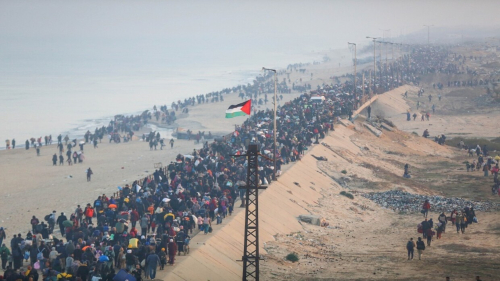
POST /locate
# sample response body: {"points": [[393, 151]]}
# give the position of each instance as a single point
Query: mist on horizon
{"points": [[72, 61], [151, 34]]}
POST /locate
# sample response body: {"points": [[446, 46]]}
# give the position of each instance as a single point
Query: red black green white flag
{"points": [[241, 109]]}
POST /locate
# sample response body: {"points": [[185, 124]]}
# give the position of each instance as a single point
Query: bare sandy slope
{"points": [[455, 116]]}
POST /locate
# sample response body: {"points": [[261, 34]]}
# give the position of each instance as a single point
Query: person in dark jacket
{"points": [[89, 174], [4, 254], [152, 262], [420, 247], [54, 160], [60, 221], [425, 227], [410, 246], [130, 260], [137, 272], [163, 258], [83, 271]]}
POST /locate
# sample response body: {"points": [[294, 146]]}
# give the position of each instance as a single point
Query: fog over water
{"points": [[69, 65]]}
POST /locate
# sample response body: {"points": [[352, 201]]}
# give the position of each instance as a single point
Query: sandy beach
{"points": [[35, 187]]}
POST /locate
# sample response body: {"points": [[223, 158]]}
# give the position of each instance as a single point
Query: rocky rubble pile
{"points": [[403, 201]]}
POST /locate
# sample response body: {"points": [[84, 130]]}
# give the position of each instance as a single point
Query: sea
{"points": [[43, 92]]}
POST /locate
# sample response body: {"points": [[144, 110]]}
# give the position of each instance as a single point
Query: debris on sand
{"points": [[403, 201]]}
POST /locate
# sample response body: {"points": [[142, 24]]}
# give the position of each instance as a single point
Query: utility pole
{"points": [[400, 64], [251, 255], [363, 86], [385, 34], [374, 61], [428, 32], [386, 72], [355, 64], [392, 64], [370, 85]]}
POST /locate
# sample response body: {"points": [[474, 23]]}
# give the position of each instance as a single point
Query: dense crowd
{"points": [[150, 221]]}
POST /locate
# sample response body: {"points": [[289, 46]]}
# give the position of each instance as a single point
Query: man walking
{"points": [[426, 207], [420, 247], [410, 246], [144, 225], [62, 218], [425, 227], [89, 174], [152, 262]]}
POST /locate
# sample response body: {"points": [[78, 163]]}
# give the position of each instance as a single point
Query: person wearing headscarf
{"points": [[442, 219], [130, 260], [172, 251], [163, 258]]}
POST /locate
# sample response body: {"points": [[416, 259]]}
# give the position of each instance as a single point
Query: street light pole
{"points": [[392, 64], [374, 58], [274, 119], [355, 64], [428, 32]]}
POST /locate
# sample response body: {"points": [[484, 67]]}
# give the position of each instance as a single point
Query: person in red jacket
{"points": [[133, 232], [134, 217], [426, 207], [172, 251], [89, 213]]}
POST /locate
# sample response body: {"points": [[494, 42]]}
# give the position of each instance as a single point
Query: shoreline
{"points": [[113, 164], [91, 123]]}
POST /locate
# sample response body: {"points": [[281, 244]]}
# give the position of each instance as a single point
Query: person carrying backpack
{"points": [[79, 214], [34, 222], [98, 204], [51, 221], [410, 246], [420, 247]]}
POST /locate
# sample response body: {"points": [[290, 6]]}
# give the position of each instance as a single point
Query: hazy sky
{"points": [[54, 35], [213, 22], [84, 57]]}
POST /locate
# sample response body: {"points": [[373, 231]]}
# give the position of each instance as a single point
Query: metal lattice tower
{"points": [[251, 247]]}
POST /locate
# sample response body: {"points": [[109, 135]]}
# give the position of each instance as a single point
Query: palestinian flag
{"points": [[241, 109]]}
